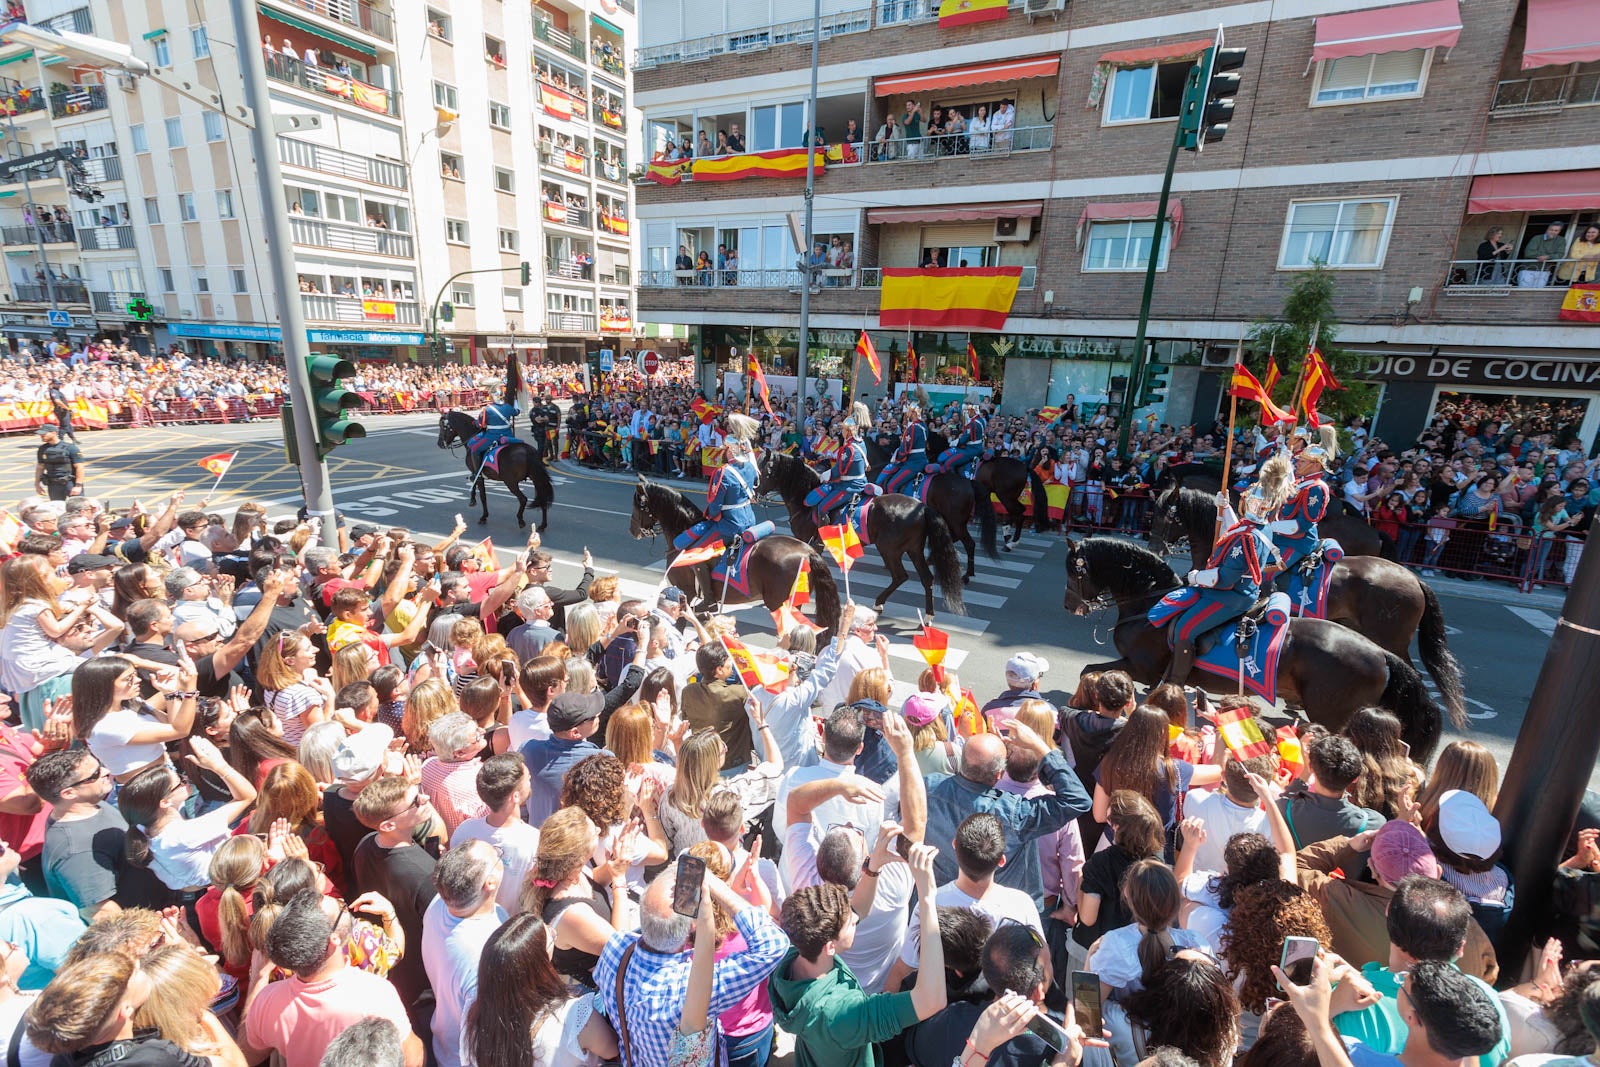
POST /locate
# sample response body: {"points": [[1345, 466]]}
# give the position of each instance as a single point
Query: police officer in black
{"points": [[546, 419], [58, 471]]}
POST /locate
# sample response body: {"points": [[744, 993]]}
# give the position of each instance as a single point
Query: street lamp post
{"points": [[38, 235], [806, 278]]}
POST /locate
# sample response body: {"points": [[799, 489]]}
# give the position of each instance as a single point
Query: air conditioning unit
{"points": [[1035, 9], [125, 82], [1215, 356], [1013, 230]]}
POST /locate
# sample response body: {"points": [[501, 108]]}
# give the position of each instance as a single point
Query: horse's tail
{"points": [[986, 519], [1408, 698], [940, 552], [827, 595], [1439, 660], [544, 490], [1041, 501]]}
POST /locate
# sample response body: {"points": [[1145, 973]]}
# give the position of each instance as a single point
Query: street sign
{"points": [[60, 320], [605, 361], [650, 361]]}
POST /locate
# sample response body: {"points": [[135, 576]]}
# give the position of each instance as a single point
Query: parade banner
{"points": [[555, 102], [947, 298], [779, 163]]}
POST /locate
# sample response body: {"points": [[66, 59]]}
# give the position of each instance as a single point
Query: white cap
{"points": [[1026, 667], [360, 755], [1466, 826]]}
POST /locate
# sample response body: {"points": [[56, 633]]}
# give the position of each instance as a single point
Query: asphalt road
{"points": [[398, 475]]}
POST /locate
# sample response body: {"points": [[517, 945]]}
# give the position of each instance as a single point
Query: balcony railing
{"points": [[1486, 277], [1528, 96], [608, 118], [342, 237], [566, 214], [52, 233], [569, 160], [77, 100], [565, 268], [345, 164], [546, 33], [324, 308], [362, 16], [318, 80], [857, 20], [105, 238], [872, 277], [35, 102], [568, 322], [610, 63], [929, 149], [113, 303], [828, 278], [66, 293], [611, 172], [75, 21], [102, 168]]}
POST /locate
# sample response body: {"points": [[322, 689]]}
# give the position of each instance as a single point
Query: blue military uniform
{"points": [[909, 461], [1229, 584], [729, 501], [967, 448], [1294, 531], [848, 479], [496, 424]]}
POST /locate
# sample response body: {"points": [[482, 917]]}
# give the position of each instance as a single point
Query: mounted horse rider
{"points": [[910, 459], [847, 479], [732, 492], [497, 423], [1294, 526], [967, 448], [1230, 583]]}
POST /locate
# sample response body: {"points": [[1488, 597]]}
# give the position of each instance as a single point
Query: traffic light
{"points": [[1208, 100], [527, 273], [1155, 385], [447, 312], [141, 310], [329, 401]]}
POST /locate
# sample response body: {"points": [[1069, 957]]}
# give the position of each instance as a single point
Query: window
{"points": [[494, 51], [777, 126], [444, 95], [450, 165], [462, 294], [152, 210], [1347, 234], [504, 181], [439, 26], [1144, 94], [508, 240], [455, 231], [141, 143], [200, 40], [1342, 81], [186, 209], [163, 50], [499, 115], [213, 125], [1125, 245], [511, 300], [224, 203], [201, 283], [239, 284], [167, 285], [175, 132]]}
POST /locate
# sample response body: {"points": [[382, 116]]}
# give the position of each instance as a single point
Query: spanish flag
{"points": [[484, 550], [664, 173], [787, 618], [972, 361], [1317, 377], [1273, 376], [555, 102], [1239, 731], [555, 211], [865, 350], [779, 163], [689, 557], [916, 367], [757, 670], [217, 465], [966, 12], [800, 594], [705, 410], [947, 298], [842, 544], [1245, 387], [1582, 303], [1289, 750], [933, 643], [758, 378]]}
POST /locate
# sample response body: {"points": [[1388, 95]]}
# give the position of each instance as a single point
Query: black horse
{"points": [[1373, 596], [950, 495], [897, 525], [1327, 669], [774, 561], [1175, 511], [519, 462]]}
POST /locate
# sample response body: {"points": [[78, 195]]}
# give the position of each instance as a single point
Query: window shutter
{"points": [[1343, 75], [1398, 71]]}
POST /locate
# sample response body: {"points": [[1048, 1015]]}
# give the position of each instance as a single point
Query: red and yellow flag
{"points": [[1273, 376], [1050, 414], [1317, 377], [1289, 750], [1239, 731], [800, 592], [758, 378], [778, 163], [690, 557], [933, 643], [866, 351], [555, 211], [484, 550], [555, 102], [842, 544], [947, 298], [916, 367], [217, 464], [1245, 387], [972, 361], [705, 410], [787, 618], [11, 531], [665, 173], [967, 12], [1582, 303], [757, 670]]}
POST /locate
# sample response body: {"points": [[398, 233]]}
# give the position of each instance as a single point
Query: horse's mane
{"points": [[1143, 570], [1191, 501], [790, 476], [664, 501]]}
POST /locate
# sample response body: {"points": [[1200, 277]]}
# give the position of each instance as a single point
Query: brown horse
{"points": [[897, 526], [1355, 535], [519, 462], [774, 560], [1329, 670]]}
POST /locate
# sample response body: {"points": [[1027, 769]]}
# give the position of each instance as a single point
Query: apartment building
{"points": [[1383, 140], [421, 167]]}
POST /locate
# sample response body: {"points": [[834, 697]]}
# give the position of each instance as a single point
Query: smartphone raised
{"points": [[1086, 1006], [902, 846], [1048, 1030], [1298, 952], [691, 881]]}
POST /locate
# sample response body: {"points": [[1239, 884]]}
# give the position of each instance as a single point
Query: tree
{"points": [[1307, 309]]}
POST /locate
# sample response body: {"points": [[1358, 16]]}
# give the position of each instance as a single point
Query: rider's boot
{"points": [[1182, 662]]}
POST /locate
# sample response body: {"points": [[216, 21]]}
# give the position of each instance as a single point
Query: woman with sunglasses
{"points": [[125, 734], [177, 849]]}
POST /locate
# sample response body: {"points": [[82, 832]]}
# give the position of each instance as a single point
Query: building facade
{"points": [[1384, 141], [385, 208]]}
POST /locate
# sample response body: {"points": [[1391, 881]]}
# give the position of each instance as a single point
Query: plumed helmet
{"points": [[1276, 481], [859, 418], [741, 428]]}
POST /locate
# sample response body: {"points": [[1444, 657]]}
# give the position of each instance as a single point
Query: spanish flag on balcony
{"points": [[948, 298], [614, 223], [966, 12], [555, 102], [664, 173], [555, 211], [779, 163], [1582, 303]]}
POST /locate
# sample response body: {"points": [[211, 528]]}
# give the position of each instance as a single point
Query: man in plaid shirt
{"points": [[656, 982]]}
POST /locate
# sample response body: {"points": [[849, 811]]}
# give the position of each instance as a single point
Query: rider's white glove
{"points": [[1206, 578]]}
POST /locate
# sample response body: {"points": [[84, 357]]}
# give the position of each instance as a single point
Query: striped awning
{"points": [[1561, 31], [1432, 24], [349, 44], [959, 77]]}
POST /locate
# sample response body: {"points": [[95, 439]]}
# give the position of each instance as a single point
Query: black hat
{"points": [[574, 709], [360, 530], [91, 561]]}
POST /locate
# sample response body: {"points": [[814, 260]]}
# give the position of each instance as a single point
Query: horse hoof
{"points": [[483, 521], [1005, 546]]}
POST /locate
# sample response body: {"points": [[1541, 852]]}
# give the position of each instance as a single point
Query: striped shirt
{"points": [[453, 788]]}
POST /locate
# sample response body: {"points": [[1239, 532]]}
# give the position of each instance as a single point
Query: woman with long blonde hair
{"points": [[354, 662], [630, 736], [225, 909], [182, 987], [429, 701], [290, 685], [700, 771], [1460, 765], [290, 795]]}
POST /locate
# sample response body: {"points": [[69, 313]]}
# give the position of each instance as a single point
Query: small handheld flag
{"points": [[1239, 731], [789, 618], [1289, 750], [800, 594], [842, 544], [689, 557], [866, 351], [757, 670], [933, 643], [217, 465]]}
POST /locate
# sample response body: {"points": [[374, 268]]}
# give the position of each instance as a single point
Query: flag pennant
{"points": [[800, 593], [1273, 376], [842, 544], [759, 378], [933, 643], [690, 557], [217, 465], [1245, 387], [757, 670], [866, 351], [1240, 732]]}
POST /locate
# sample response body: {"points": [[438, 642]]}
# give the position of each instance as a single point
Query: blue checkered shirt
{"points": [[657, 984]]}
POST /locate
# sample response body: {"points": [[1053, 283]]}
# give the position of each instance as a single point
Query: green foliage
{"points": [[1307, 309]]}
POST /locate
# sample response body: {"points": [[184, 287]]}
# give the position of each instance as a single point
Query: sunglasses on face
{"points": [[100, 772]]}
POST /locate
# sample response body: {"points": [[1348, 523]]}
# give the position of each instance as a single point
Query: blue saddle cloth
{"points": [[735, 562], [1263, 642], [1308, 592]]}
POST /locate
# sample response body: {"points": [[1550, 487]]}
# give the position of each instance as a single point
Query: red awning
{"points": [[1027, 209], [1133, 209], [1432, 24], [1135, 57], [1561, 31], [978, 74], [1562, 190]]}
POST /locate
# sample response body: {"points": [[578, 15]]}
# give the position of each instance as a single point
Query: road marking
{"points": [[1542, 621], [1484, 710]]}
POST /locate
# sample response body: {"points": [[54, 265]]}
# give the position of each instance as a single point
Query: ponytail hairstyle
{"points": [[140, 803], [1150, 890], [236, 867], [566, 841]]}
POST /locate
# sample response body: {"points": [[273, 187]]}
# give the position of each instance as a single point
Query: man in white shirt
{"points": [[842, 734], [503, 785], [1233, 809], [454, 930], [865, 648]]}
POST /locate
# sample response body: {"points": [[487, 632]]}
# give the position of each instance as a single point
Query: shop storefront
{"points": [[220, 340], [370, 346]]}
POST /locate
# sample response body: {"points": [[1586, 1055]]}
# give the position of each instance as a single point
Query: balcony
{"points": [[566, 214], [325, 83], [114, 303], [361, 16], [545, 33], [608, 118], [52, 233], [100, 169], [321, 308], [1518, 278], [32, 105], [934, 149], [913, 12], [65, 101], [608, 58], [841, 278], [568, 322], [309, 156], [857, 20], [343, 237], [105, 238], [565, 268], [620, 275], [1556, 92], [76, 21], [616, 173], [67, 292], [567, 160]]}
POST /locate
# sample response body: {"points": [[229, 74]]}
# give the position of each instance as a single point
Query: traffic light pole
{"points": [[280, 254], [433, 312]]}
